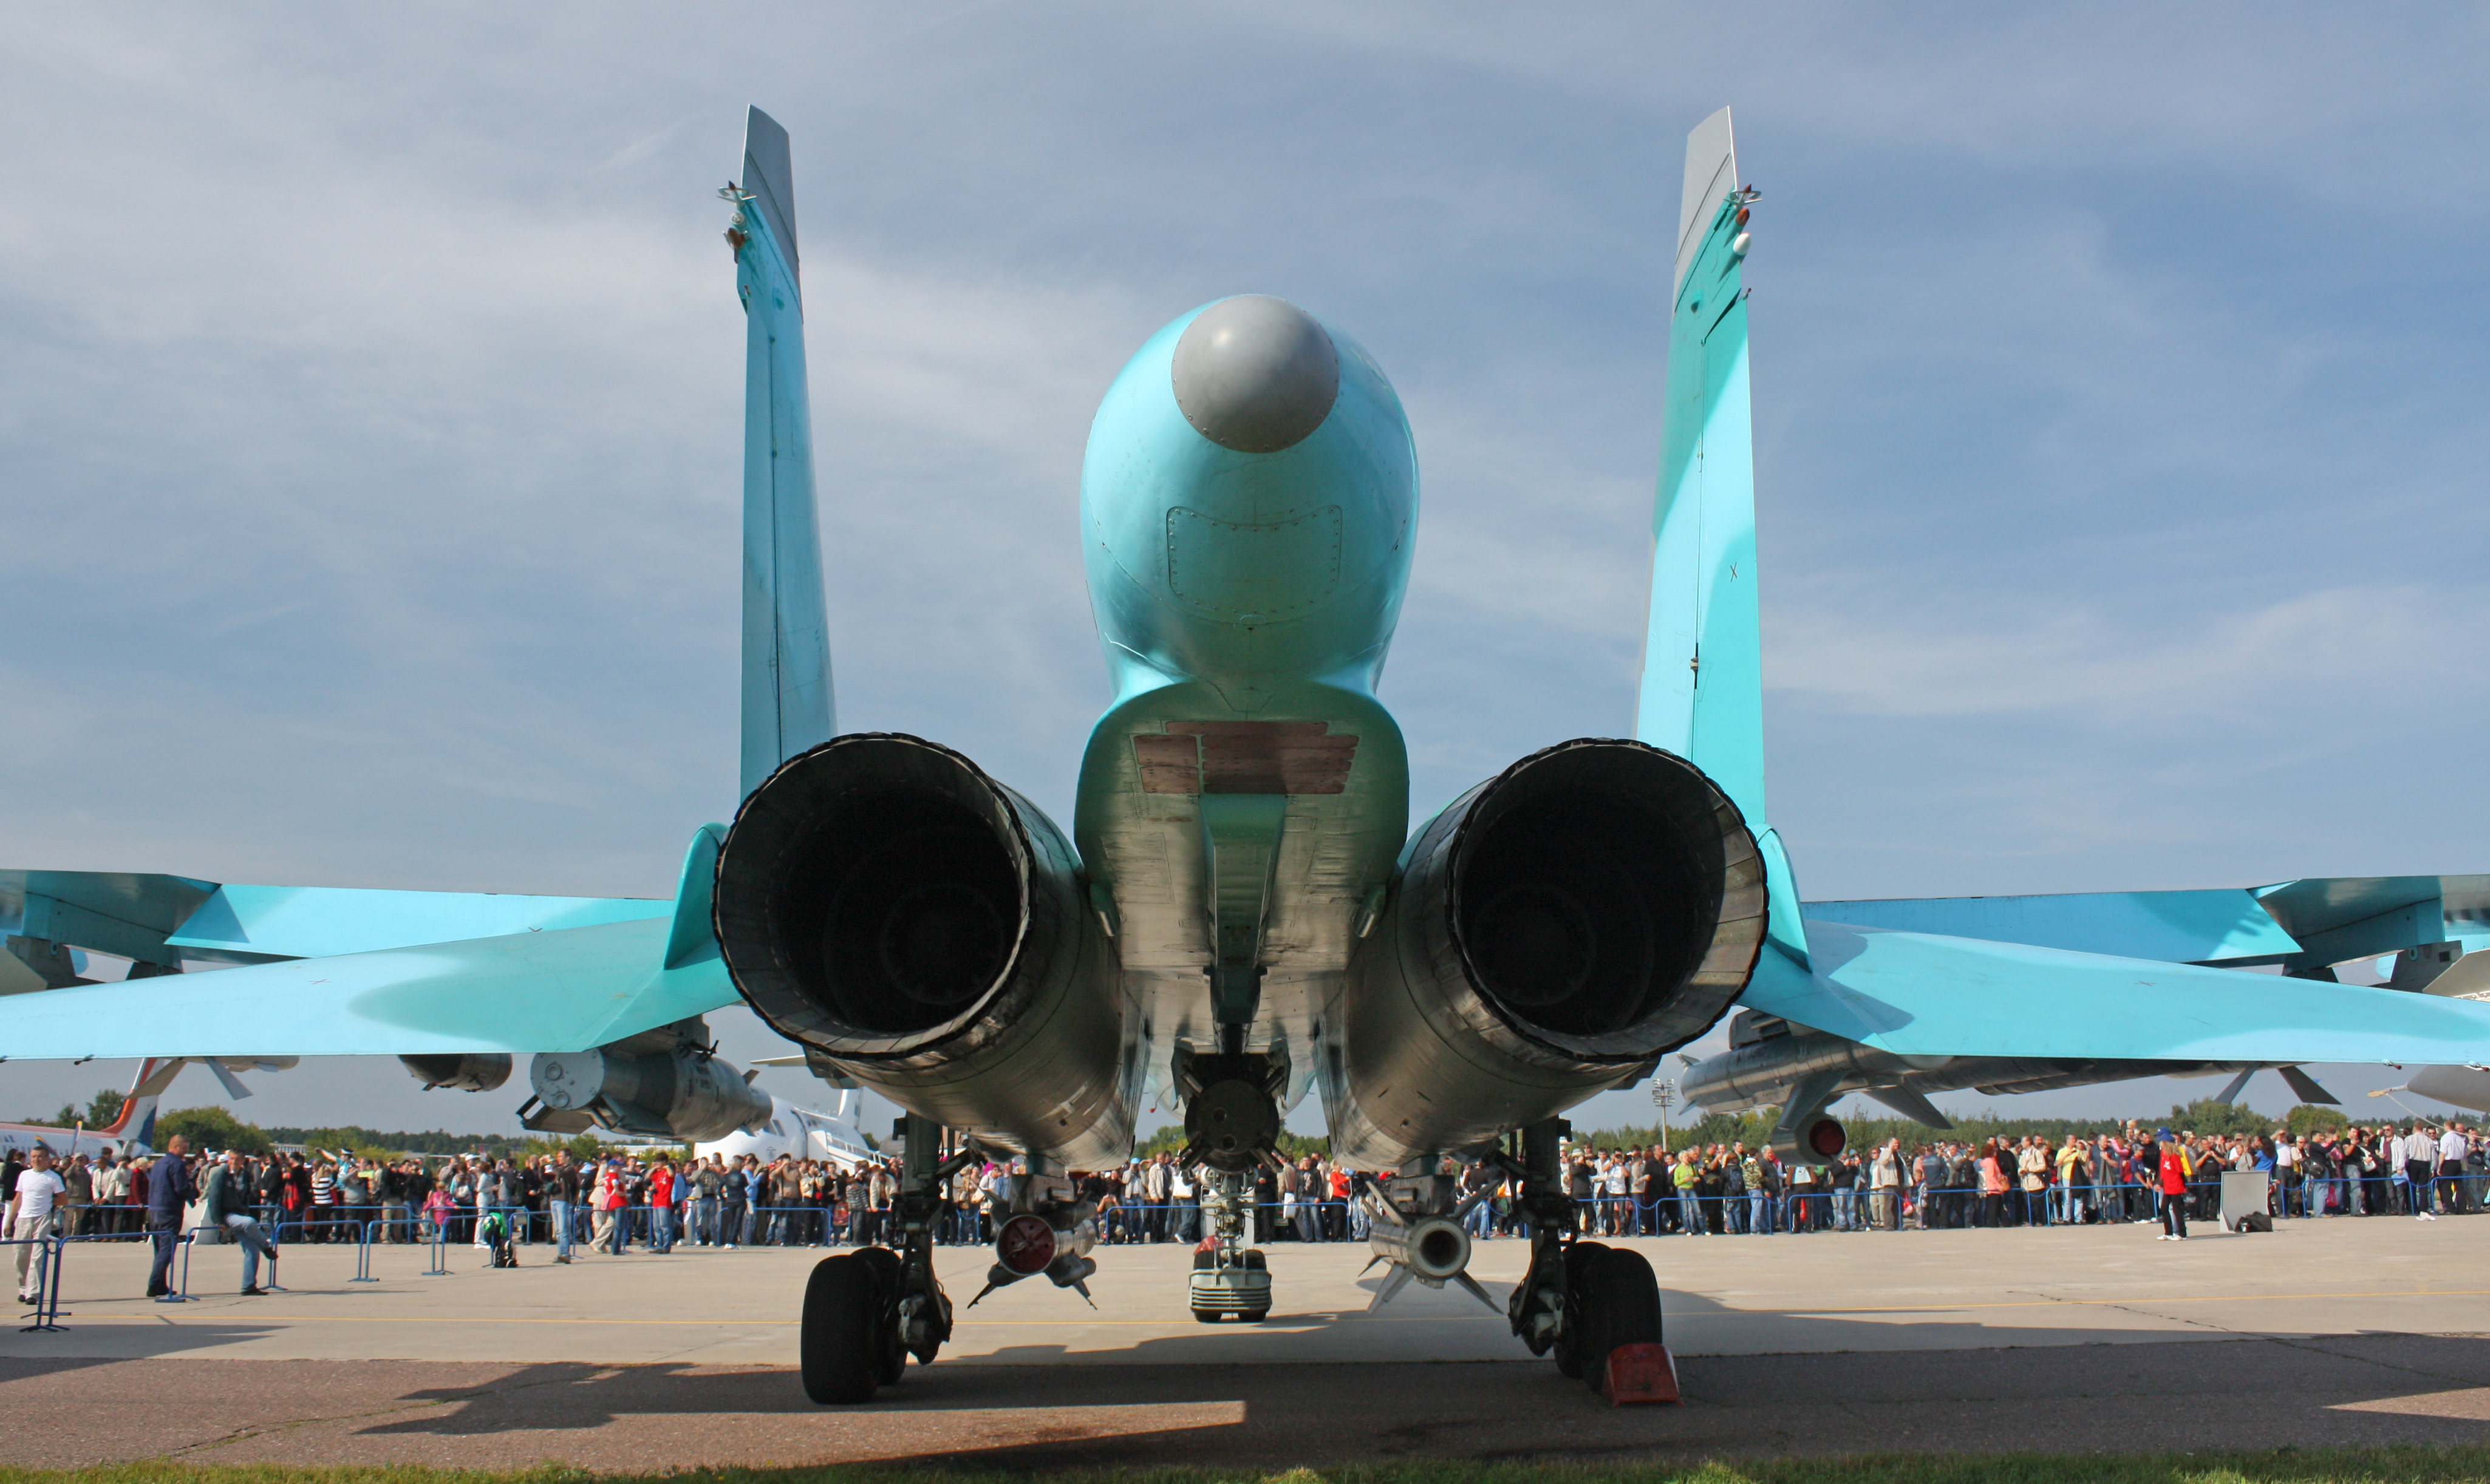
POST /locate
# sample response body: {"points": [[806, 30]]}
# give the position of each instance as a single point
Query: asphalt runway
{"points": [[2346, 1332]]}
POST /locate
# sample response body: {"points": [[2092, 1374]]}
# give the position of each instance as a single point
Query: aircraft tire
{"points": [[1202, 1262], [890, 1361], [1620, 1306], [1205, 1316], [1256, 1317], [1254, 1262], [1579, 1259], [837, 1343]]}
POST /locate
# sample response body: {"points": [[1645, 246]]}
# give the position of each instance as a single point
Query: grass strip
{"points": [[2410, 1464]]}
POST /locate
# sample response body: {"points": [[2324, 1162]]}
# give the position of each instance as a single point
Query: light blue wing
{"points": [[2203, 926], [1921, 994], [2301, 926], [564, 990], [311, 921], [628, 965]]}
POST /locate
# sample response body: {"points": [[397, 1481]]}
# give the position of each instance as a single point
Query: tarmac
{"points": [[2346, 1330]]}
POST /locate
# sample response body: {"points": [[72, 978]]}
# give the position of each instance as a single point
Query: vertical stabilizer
{"points": [[787, 705], [135, 1127], [1703, 679]]}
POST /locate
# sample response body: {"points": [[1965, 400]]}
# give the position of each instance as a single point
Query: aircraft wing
{"points": [[1924, 994], [565, 989], [509, 983], [2301, 926]]}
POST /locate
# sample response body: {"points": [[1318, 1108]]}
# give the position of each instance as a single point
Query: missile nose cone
{"points": [[1256, 374]]}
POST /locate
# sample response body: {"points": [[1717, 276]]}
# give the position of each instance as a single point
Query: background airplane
{"points": [[132, 1131], [797, 1133], [1240, 917]]}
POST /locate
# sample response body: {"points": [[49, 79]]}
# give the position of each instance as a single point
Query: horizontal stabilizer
{"points": [[561, 989], [2207, 927], [1920, 994], [316, 922], [125, 914]]}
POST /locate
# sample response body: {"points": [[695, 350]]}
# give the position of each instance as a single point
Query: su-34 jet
{"points": [[1239, 915]]}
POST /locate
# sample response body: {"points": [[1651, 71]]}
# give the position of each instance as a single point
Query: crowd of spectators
{"points": [[2414, 1170], [661, 1201]]}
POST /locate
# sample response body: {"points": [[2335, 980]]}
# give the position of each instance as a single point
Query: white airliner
{"points": [[800, 1132]]}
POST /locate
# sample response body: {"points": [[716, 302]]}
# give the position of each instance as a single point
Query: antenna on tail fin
{"points": [[786, 704], [1702, 695]]}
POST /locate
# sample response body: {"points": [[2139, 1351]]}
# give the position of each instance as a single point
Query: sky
{"points": [[370, 381]]}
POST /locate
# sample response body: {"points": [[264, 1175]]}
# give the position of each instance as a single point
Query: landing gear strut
{"points": [[867, 1311], [1583, 1300]]}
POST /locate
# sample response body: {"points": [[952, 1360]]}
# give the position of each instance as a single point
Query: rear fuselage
{"points": [[1248, 505]]}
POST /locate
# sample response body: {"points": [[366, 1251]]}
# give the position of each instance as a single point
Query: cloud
{"points": [[2342, 646]]}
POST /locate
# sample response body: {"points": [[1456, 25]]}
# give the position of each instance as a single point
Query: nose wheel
{"points": [[1230, 1286]]}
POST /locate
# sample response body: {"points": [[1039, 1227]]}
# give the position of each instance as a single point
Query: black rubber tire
{"points": [[837, 1341], [891, 1360], [1205, 1316], [1256, 1317], [1254, 1262], [1620, 1306], [1579, 1259], [1204, 1262]]}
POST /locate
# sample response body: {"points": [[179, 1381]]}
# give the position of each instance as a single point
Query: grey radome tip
{"points": [[770, 175], [1256, 374], [1711, 173]]}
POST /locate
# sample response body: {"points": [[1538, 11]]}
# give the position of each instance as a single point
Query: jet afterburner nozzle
{"points": [[882, 901], [1551, 933]]}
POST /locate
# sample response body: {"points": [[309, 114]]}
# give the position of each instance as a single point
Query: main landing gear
{"points": [[1596, 1308], [867, 1311]]}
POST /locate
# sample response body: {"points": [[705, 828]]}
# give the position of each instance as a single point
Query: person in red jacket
{"points": [[661, 1206], [2175, 1168]]}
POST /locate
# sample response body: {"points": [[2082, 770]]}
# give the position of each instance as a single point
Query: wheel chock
{"points": [[1639, 1375]]}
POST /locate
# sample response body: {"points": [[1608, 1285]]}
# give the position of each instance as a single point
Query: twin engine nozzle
{"points": [[881, 900], [1550, 933]]}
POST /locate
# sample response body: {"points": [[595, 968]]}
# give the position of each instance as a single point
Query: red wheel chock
{"points": [[1639, 1375]]}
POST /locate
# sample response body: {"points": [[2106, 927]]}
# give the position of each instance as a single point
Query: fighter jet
{"points": [[1239, 916]]}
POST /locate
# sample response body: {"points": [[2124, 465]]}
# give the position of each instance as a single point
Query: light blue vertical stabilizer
{"points": [[787, 705], [1702, 679]]}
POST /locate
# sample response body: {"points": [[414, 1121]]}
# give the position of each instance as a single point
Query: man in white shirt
{"points": [[30, 1219], [2419, 1150], [2451, 1150]]}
